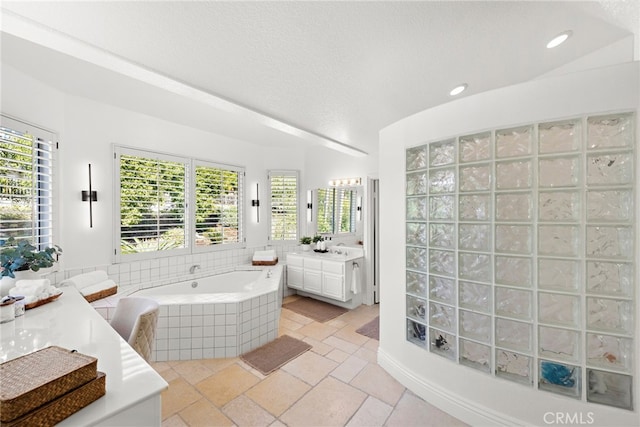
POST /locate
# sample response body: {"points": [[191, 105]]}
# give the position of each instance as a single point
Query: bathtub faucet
{"points": [[193, 268]]}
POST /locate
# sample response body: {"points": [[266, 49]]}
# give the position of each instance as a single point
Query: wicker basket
{"points": [[274, 262], [34, 379], [52, 413], [101, 294]]}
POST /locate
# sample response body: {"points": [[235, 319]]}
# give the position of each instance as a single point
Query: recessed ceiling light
{"points": [[458, 89], [559, 39]]}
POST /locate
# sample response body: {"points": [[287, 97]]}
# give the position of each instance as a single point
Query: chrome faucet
{"points": [[193, 268]]}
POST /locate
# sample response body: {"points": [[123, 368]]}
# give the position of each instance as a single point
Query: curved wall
{"points": [[475, 397]]}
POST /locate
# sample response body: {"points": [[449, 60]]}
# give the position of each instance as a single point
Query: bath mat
{"points": [[371, 329], [271, 356], [313, 309]]}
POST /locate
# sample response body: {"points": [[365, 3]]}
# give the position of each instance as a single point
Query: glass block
{"points": [[416, 157], [442, 207], [513, 335], [610, 278], [417, 183], [416, 308], [473, 148], [442, 153], [475, 178], [610, 242], [559, 137], [609, 169], [475, 326], [559, 309], [558, 274], [558, 240], [474, 267], [475, 355], [417, 208], [609, 352], [514, 366], [417, 283], [513, 207], [442, 181], [610, 315], [417, 259], [442, 343], [476, 237], [514, 142], [513, 175], [442, 262], [559, 206], [612, 205], [559, 172], [513, 238], [416, 333], [474, 296], [417, 233], [442, 289], [560, 378], [475, 207], [560, 344], [610, 131], [442, 235], [513, 271], [513, 303], [608, 388], [442, 317]]}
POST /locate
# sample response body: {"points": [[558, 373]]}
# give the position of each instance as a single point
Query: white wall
{"points": [[87, 130], [477, 398]]}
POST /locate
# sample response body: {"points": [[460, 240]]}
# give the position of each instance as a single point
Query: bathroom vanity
{"points": [[329, 275], [133, 387]]}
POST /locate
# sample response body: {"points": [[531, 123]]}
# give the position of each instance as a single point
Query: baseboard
{"points": [[463, 409]]}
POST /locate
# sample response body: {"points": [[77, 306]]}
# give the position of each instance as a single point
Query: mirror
{"points": [[336, 210]]}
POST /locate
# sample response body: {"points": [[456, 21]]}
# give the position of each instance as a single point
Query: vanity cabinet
{"points": [[326, 277]]}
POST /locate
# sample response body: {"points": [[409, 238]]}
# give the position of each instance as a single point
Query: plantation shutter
{"points": [[26, 183], [153, 211], [284, 205]]}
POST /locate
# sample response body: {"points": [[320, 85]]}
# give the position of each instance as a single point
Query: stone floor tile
{"points": [[310, 367], [348, 333], [318, 331], [216, 365], [245, 412], [224, 386], [174, 421], [372, 345], [299, 318], [413, 411], [373, 412], [193, 371], [330, 403], [204, 413], [378, 383], [318, 346], [290, 324], [341, 344], [278, 392], [366, 354], [337, 355], [178, 396], [348, 369]]}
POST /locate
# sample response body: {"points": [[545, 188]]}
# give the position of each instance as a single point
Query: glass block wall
{"points": [[520, 254]]}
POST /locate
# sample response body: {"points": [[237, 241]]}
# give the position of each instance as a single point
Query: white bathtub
{"points": [[221, 316]]}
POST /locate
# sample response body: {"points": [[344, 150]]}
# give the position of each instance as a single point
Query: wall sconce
{"points": [[90, 196], [345, 182], [309, 206], [256, 204], [359, 208]]}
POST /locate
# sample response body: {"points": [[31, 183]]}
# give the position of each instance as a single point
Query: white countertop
{"points": [[351, 254], [70, 322]]}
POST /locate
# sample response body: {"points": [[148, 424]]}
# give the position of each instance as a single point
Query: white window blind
{"points": [[26, 183], [284, 205], [152, 203], [218, 204]]}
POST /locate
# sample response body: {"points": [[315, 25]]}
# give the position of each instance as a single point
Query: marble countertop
{"points": [[70, 322]]}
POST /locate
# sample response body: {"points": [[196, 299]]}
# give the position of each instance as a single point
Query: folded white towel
{"points": [[31, 283], [355, 279], [81, 281], [269, 255], [25, 292], [98, 287]]}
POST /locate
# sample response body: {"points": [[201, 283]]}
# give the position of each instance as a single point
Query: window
{"points": [[284, 205], [336, 210], [26, 182], [155, 200]]}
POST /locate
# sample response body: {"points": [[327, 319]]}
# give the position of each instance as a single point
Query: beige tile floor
{"points": [[337, 383]]}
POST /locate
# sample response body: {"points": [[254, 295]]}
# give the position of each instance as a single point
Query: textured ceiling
{"points": [[342, 70]]}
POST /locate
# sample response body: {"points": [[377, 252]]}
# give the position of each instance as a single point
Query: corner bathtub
{"points": [[217, 316]]}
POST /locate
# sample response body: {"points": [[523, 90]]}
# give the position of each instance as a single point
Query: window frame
{"points": [[190, 205], [288, 173]]}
